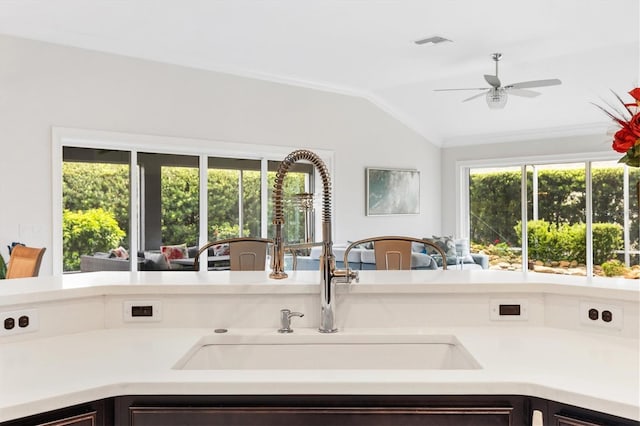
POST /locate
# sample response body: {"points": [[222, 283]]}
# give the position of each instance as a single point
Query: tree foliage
{"points": [[495, 201], [105, 187], [3, 268], [180, 205], [97, 185], [87, 232]]}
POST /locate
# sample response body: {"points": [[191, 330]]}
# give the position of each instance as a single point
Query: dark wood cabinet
{"points": [[561, 420], [557, 414], [320, 410], [323, 410], [96, 413], [88, 419], [319, 416]]}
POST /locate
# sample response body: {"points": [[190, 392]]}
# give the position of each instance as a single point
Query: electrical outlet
{"points": [[18, 322], [509, 310], [601, 315], [142, 311]]}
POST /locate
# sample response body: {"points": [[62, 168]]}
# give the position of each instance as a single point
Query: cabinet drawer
{"points": [[320, 416], [87, 419]]}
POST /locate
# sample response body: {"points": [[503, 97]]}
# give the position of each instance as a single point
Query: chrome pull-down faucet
{"points": [[328, 273]]}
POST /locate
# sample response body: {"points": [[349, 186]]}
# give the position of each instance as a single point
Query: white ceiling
{"points": [[366, 48]]}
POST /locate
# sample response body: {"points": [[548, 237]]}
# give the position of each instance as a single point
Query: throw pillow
{"points": [[447, 244], [367, 246], [175, 251], [120, 253], [155, 261], [221, 250], [418, 247]]}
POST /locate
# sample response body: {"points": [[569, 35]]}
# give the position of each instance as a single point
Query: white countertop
{"points": [[593, 371], [43, 289], [591, 368]]}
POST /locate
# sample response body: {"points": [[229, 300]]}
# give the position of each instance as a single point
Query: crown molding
{"points": [[530, 134]]}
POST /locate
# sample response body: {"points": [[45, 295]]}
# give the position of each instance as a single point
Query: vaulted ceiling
{"points": [[366, 48]]}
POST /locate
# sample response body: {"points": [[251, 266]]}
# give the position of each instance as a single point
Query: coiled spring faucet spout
{"points": [[328, 272]]}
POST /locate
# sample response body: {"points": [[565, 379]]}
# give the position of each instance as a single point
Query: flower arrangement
{"points": [[627, 140]]}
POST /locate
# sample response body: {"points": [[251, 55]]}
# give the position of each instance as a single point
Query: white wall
{"points": [[44, 85]]}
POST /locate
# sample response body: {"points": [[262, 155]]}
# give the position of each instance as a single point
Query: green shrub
{"points": [[86, 232], [613, 268], [495, 204], [227, 230], [550, 242], [607, 237], [3, 268], [546, 241]]}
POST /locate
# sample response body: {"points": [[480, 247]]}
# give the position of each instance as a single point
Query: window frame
{"points": [[463, 167], [135, 143]]}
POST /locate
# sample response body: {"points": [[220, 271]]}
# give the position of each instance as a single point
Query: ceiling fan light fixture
{"points": [[497, 98]]}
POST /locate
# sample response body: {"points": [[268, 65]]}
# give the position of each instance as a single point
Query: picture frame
{"points": [[392, 191]]}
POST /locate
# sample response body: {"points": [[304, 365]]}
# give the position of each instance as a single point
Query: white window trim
{"points": [[462, 185], [134, 143]]}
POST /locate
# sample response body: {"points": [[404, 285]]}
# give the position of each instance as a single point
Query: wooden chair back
{"points": [[25, 262], [394, 252], [392, 255], [248, 255], [245, 254]]}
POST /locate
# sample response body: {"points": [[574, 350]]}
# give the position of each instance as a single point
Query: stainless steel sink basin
{"points": [[320, 351]]}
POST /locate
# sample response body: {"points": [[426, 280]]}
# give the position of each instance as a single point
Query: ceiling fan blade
{"points": [[449, 90], [493, 80], [534, 83], [524, 93], [475, 96]]}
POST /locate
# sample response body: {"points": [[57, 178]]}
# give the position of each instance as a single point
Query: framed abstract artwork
{"points": [[392, 191]]}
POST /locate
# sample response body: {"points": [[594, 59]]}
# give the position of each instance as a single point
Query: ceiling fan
{"points": [[497, 94]]}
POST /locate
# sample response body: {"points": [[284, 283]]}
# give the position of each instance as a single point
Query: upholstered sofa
{"points": [[364, 259], [153, 260], [102, 262]]}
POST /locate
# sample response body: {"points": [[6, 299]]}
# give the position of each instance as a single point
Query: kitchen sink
{"points": [[321, 351]]}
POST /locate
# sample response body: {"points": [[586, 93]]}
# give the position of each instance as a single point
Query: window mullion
{"points": [[264, 198], [240, 204], [626, 219], [524, 218], [203, 206], [134, 210], [589, 219]]}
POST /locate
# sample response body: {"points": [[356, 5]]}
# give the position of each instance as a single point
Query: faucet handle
{"points": [[285, 320], [346, 276]]}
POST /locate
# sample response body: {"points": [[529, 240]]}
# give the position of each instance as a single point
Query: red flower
{"points": [[623, 140], [628, 137], [634, 124]]}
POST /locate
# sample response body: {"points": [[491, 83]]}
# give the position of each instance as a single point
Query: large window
{"points": [[116, 201], [95, 203], [169, 200], [296, 185], [233, 188], [582, 218]]}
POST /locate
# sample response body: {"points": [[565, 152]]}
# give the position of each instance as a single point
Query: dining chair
{"points": [[392, 255], [24, 262], [245, 253], [395, 252]]}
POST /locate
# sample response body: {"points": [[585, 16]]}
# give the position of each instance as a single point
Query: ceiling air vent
{"points": [[432, 40]]}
